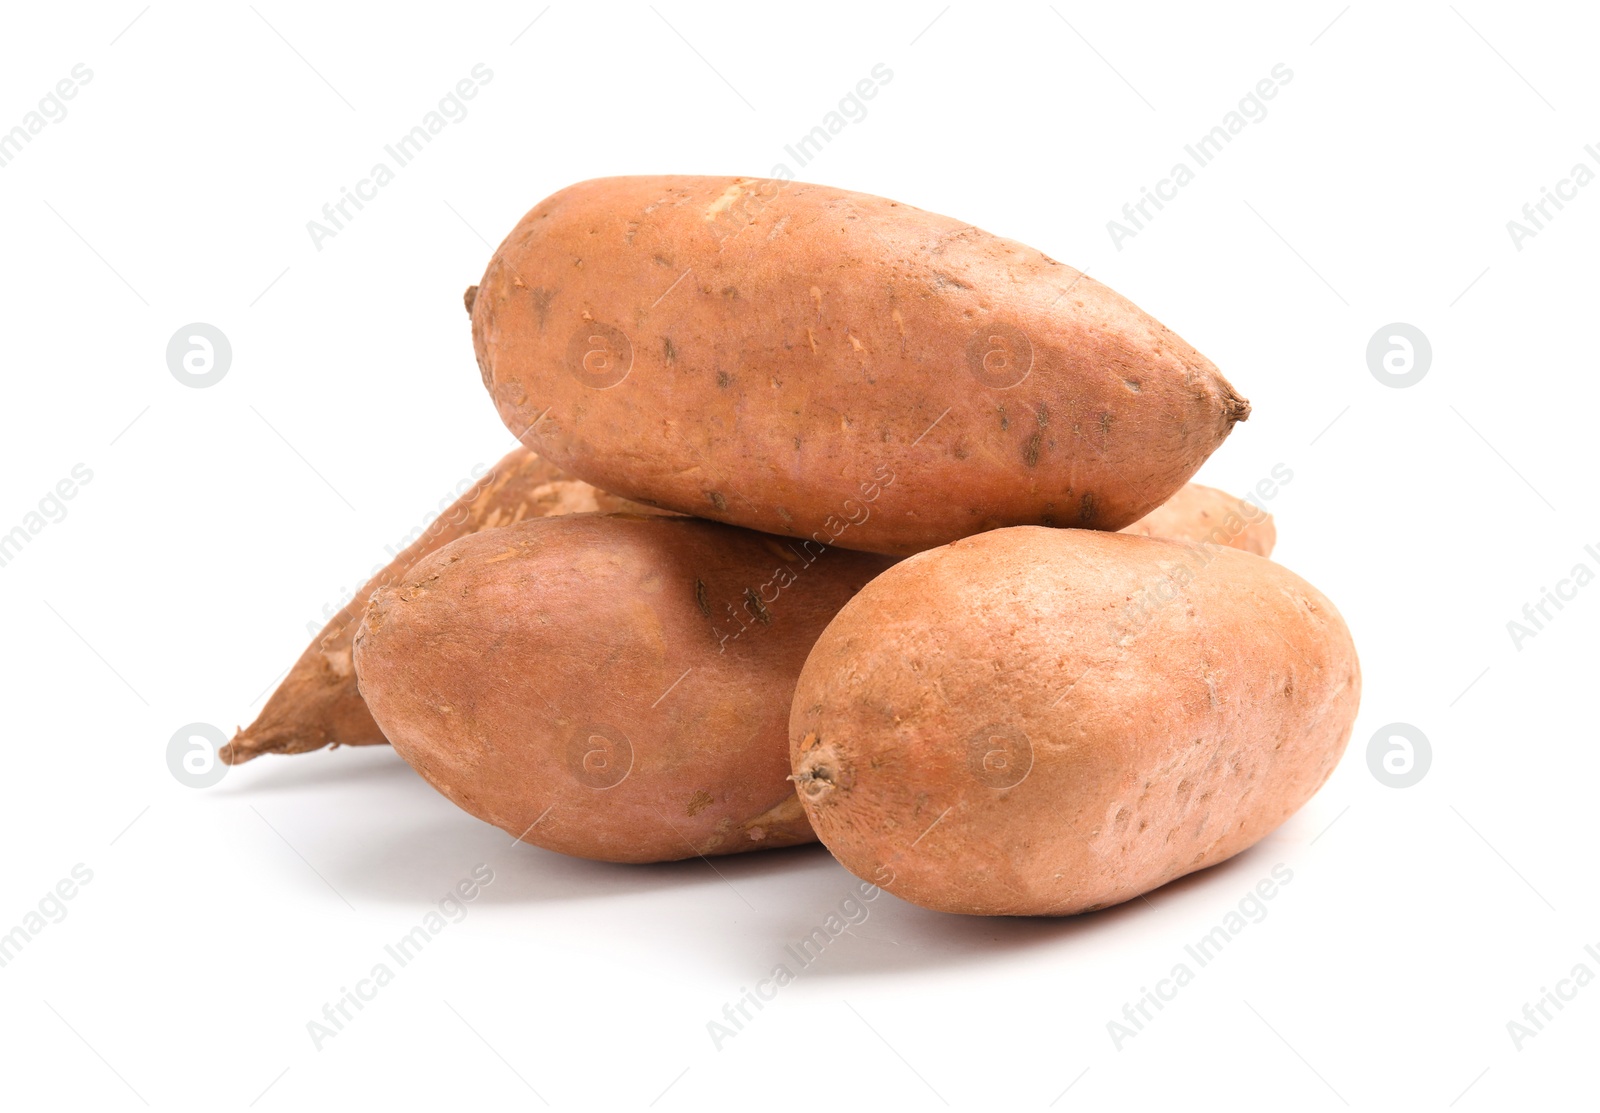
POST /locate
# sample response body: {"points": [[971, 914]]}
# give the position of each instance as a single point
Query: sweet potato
{"points": [[317, 703], [1205, 514], [1046, 722], [833, 366], [608, 686]]}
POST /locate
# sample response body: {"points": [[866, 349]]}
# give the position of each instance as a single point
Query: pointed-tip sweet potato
{"points": [[834, 366]]}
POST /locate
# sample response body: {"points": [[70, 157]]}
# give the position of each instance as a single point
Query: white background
{"points": [[220, 521]]}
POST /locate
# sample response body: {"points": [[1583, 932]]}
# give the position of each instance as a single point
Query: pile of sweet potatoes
{"points": [[812, 535]]}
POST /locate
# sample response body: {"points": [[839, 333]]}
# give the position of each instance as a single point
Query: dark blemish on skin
{"points": [[541, 303], [699, 801], [1042, 414], [1005, 422], [717, 500], [1105, 425], [1047, 520], [1030, 451], [724, 379], [701, 598], [757, 607], [668, 352], [1132, 385], [1086, 507], [730, 291]]}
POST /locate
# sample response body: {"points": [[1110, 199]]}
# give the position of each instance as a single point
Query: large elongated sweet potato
{"points": [[317, 703], [1038, 721], [613, 687], [833, 366]]}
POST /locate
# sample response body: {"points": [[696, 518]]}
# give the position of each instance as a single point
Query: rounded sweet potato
{"points": [[1205, 514], [317, 703], [833, 366], [1046, 722], [607, 686]]}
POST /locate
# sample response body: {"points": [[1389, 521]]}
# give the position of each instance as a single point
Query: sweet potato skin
{"points": [[1046, 722], [832, 365], [317, 703], [613, 687], [1205, 514]]}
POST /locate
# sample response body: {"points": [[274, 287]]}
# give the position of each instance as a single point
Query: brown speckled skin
{"points": [[500, 650], [1159, 744], [788, 343], [1198, 513], [317, 703]]}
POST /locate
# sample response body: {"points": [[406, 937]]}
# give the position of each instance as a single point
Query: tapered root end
{"points": [[240, 750], [244, 747], [1235, 406], [317, 704], [469, 297], [249, 744]]}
